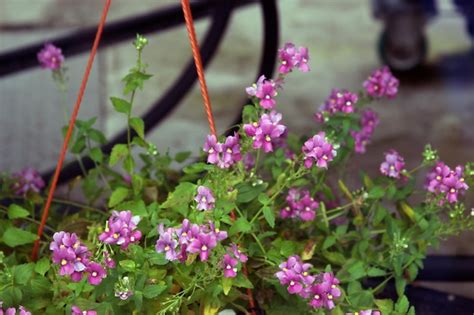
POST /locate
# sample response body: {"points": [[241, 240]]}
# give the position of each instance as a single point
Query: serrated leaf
{"points": [[385, 306], [16, 211], [138, 125], [117, 196], [180, 157], [226, 285], [119, 151], [248, 192], [96, 155], [23, 273], [128, 265], [269, 216], [15, 237], [42, 266], [329, 241], [121, 105], [241, 225], [153, 290]]}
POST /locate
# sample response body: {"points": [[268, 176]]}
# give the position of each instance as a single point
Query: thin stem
{"points": [[260, 244], [101, 175], [78, 205]]}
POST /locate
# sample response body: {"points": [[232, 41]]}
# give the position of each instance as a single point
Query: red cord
{"points": [[198, 62], [34, 254], [207, 103]]}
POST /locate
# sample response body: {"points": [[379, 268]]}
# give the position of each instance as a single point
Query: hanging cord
{"points": [[44, 217], [207, 104], [197, 61]]}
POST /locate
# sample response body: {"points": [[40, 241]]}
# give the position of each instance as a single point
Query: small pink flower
{"points": [[50, 57]]}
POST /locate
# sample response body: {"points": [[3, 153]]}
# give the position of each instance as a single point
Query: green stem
{"points": [[260, 245], [101, 174]]}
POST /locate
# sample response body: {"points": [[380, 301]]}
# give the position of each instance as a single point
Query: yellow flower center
{"points": [[94, 274], [167, 248], [63, 262], [268, 138], [116, 235], [204, 248]]}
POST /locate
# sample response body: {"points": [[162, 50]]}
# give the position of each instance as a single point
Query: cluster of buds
{"points": [[27, 180]]}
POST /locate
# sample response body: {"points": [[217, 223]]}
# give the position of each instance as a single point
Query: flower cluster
{"points": [[291, 57], [224, 155], [231, 260], [205, 199], [393, 164], [27, 180], [73, 258], [321, 290], [300, 204], [366, 312], [50, 57], [445, 182], [176, 243], [318, 150], [13, 311], [77, 311], [381, 83], [267, 132], [265, 91], [337, 102], [368, 121], [120, 229]]}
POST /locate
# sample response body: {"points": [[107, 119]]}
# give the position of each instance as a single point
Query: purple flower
{"points": [[393, 164], [167, 244], [307, 208], [237, 253], [266, 93], [442, 181], [331, 282], [205, 199], [291, 58], [77, 311], [203, 245], [69, 253], [249, 161], [366, 312], [50, 57], [229, 265], [266, 131], [337, 102], [231, 151], [27, 180], [121, 229], [318, 150], [252, 90], [220, 235], [224, 155], [381, 83], [108, 261], [213, 148], [12, 310], [96, 273], [369, 120]]}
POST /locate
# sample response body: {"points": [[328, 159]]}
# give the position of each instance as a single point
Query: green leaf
{"points": [[128, 265], [402, 305], [240, 225], [129, 163], [137, 183], [97, 136], [226, 285], [153, 290], [180, 157], [96, 155], [242, 282], [42, 266], [118, 195], [23, 273], [121, 105], [197, 168], [264, 199], [119, 151], [181, 197], [380, 213], [139, 126], [79, 145], [15, 237], [376, 192], [134, 80], [137, 207], [269, 216], [247, 192], [385, 306], [376, 272], [329, 241], [400, 284], [41, 286], [16, 211]]}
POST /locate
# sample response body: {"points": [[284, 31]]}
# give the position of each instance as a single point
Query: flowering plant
{"points": [[265, 220]]}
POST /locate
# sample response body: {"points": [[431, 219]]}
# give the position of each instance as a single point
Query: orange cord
{"points": [[207, 103], [198, 62], [34, 254]]}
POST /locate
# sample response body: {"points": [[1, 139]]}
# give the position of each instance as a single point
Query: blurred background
{"points": [[428, 41]]}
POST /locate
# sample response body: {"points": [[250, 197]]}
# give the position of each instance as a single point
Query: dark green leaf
{"points": [[118, 195], [269, 216], [153, 290], [138, 125], [240, 225], [42, 266], [180, 157], [119, 151]]}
